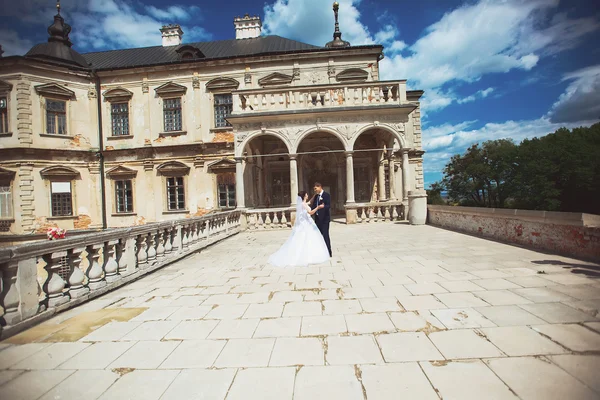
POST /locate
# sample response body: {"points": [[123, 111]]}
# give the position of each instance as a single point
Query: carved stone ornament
{"points": [[59, 173], [145, 87], [331, 71], [247, 78], [121, 172], [275, 79], [347, 130], [117, 94], [92, 93], [52, 89], [296, 73], [240, 137], [170, 89], [222, 84], [352, 75], [196, 82], [173, 168]]}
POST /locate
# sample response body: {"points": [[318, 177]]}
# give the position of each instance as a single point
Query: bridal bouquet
{"points": [[56, 233]]}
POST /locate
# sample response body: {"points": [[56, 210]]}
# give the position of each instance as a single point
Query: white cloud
{"points": [[480, 94], [581, 99], [13, 44]]}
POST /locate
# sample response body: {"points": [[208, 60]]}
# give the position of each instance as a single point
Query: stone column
{"points": [[239, 182], [392, 176], [261, 185], [381, 177], [405, 175], [349, 177], [293, 178], [340, 184]]}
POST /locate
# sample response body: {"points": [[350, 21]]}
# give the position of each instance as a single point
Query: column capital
{"points": [[404, 150], [239, 159], [349, 153], [293, 156]]}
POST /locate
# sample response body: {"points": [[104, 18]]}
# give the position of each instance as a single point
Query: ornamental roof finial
{"points": [[337, 34]]}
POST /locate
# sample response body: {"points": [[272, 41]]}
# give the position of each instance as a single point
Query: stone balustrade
{"points": [[375, 212], [270, 218], [42, 278], [319, 96]]}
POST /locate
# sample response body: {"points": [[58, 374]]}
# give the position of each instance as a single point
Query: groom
{"points": [[322, 202]]}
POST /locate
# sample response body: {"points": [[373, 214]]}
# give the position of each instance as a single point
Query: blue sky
{"points": [[490, 68]]}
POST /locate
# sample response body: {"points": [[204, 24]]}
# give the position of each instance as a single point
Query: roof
{"points": [[147, 56], [58, 52]]}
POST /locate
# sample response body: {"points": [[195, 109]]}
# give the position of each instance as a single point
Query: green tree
{"points": [[434, 194]]}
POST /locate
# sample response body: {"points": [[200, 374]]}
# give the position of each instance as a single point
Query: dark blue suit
{"points": [[323, 216]]}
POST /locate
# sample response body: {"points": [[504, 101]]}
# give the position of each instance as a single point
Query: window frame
{"points": [[177, 186], [130, 202], [126, 127], [4, 115], [226, 125], [164, 110], [56, 120], [71, 199]]}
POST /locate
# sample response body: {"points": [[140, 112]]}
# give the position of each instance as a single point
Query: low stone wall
{"points": [[571, 234]]}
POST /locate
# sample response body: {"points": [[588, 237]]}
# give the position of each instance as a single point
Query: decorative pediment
{"points": [[121, 172], [352, 74], [117, 94], [222, 84], [6, 176], [170, 89], [275, 78], [220, 165], [54, 90], [188, 52], [59, 173], [173, 168], [5, 86]]}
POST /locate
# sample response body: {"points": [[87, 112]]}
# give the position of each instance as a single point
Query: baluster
{"points": [[122, 260], [363, 215], [346, 98], [395, 214], [371, 215], [142, 255], [95, 272], [196, 236], [260, 224], [268, 221], [387, 214], [54, 285], [252, 221], [111, 267], [10, 293], [379, 215], [184, 238], [76, 275], [160, 245], [284, 221], [168, 241], [328, 98], [207, 229], [151, 245], [275, 219]]}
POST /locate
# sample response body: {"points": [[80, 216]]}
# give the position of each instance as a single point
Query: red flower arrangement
{"points": [[56, 233]]}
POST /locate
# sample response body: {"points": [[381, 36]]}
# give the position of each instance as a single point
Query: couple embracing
{"points": [[309, 241]]}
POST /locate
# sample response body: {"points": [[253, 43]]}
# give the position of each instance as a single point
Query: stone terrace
{"points": [[401, 311]]}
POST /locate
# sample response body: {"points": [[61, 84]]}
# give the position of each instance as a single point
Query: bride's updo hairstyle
{"points": [[302, 194]]}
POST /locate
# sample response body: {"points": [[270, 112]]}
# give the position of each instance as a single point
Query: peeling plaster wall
{"points": [[562, 233]]}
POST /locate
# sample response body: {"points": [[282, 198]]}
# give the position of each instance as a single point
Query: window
{"points": [[62, 204], [362, 183], [226, 196], [56, 117], [280, 184], [172, 114], [223, 108], [6, 204], [175, 193], [124, 196], [120, 119], [3, 115]]}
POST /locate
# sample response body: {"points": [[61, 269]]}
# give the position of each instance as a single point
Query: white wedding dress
{"points": [[305, 245]]}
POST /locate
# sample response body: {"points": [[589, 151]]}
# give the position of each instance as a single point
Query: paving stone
{"points": [[580, 292], [415, 321], [509, 316], [501, 297], [200, 384], [427, 302], [301, 309], [245, 353], [496, 284], [228, 311], [530, 281], [521, 341], [360, 293], [287, 296], [278, 327], [51, 357], [543, 380], [459, 318], [141, 385], [341, 307], [591, 307], [235, 329], [194, 354], [396, 381], [111, 332], [462, 299], [189, 313], [572, 336], [155, 314], [464, 344], [381, 304], [191, 330], [326, 294], [269, 310], [327, 383], [593, 325], [297, 351], [323, 325], [424, 288], [586, 368], [460, 286], [400, 347], [369, 323], [260, 380], [350, 350], [17, 353], [151, 330], [97, 356], [567, 279], [145, 355], [8, 375], [82, 385], [33, 384], [542, 294], [466, 380], [490, 274], [556, 313]]}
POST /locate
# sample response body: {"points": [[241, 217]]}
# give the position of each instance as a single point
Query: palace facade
{"points": [[125, 137]]}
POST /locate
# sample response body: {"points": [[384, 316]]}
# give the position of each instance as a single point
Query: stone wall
{"points": [[572, 234]]}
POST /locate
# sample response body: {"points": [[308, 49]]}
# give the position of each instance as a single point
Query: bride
{"points": [[305, 245]]}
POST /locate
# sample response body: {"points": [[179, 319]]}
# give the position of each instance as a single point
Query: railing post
{"points": [[168, 241], [151, 245], [142, 255], [76, 277], [111, 267], [94, 272], [54, 284], [9, 299], [160, 248]]}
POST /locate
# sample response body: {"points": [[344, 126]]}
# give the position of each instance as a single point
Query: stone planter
{"points": [[417, 207]]}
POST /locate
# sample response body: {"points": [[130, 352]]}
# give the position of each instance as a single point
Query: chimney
{"points": [[171, 35], [247, 27]]}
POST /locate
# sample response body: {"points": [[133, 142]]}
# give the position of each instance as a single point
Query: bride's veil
{"points": [[299, 210]]}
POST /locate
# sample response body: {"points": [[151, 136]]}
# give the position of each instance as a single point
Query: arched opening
{"points": [[267, 176], [321, 159]]}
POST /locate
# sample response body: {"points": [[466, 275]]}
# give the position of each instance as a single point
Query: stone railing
{"points": [[572, 234], [270, 218], [42, 278], [375, 212], [319, 96]]}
